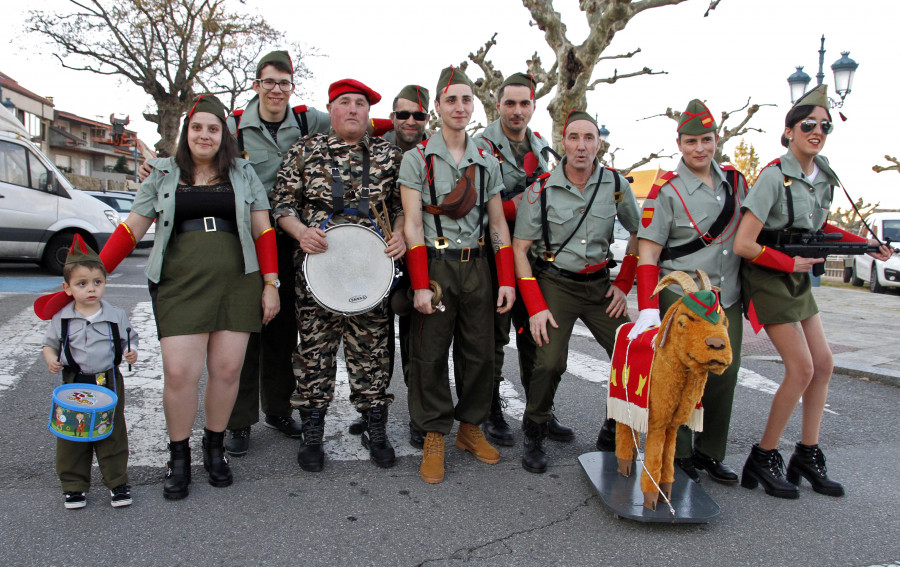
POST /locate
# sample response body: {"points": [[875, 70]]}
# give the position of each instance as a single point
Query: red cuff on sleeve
{"points": [[775, 260], [625, 279], [119, 245], [845, 236], [267, 252], [647, 278], [509, 210], [506, 270], [417, 264], [532, 296]]}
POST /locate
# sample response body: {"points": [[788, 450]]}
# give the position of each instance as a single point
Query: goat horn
{"points": [[704, 280], [685, 281]]}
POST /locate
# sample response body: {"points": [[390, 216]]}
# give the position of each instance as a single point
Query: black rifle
{"points": [[816, 245]]}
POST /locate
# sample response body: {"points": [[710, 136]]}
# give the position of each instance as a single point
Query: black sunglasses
{"points": [[405, 114], [808, 126]]}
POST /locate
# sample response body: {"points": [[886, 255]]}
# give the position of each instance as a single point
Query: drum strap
{"points": [[545, 229], [113, 337], [429, 169], [337, 186]]}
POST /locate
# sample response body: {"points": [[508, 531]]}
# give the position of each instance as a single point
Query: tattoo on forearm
{"points": [[495, 240]]}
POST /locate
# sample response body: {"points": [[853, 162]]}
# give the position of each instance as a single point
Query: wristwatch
{"points": [[276, 282]]}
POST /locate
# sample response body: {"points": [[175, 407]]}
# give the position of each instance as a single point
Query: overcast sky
{"points": [[745, 48]]}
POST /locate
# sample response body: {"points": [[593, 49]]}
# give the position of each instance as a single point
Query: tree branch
{"points": [[616, 76], [894, 167]]}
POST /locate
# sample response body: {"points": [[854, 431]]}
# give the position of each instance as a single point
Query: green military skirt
{"points": [[777, 297], [203, 287]]}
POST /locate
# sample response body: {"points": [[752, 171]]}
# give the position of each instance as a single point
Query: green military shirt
{"points": [[303, 186], [266, 154], [565, 206], [812, 199], [669, 223], [493, 140], [462, 232]]}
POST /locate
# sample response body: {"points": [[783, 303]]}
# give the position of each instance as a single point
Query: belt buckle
{"points": [[209, 224], [481, 240], [548, 256], [365, 192], [441, 242], [465, 254]]}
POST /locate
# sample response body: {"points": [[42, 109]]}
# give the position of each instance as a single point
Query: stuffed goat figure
{"points": [[692, 341]]}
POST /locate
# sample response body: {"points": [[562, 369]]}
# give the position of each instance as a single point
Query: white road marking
{"points": [[20, 343]]}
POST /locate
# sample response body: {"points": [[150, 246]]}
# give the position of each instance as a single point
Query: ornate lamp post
{"points": [[844, 70]]}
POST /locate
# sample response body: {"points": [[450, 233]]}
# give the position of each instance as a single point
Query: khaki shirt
{"points": [[513, 173], [89, 342], [565, 206], [462, 232], [266, 154], [671, 225], [812, 201]]}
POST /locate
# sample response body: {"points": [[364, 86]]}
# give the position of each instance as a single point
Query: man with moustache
{"points": [[569, 216], [363, 170]]}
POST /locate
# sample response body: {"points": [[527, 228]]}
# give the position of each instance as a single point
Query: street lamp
{"points": [[136, 154], [844, 69], [604, 133]]}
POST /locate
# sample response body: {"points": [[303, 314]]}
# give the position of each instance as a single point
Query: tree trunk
{"points": [[168, 127]]}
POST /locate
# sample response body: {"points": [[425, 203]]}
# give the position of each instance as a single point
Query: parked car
{"points": [[619, 245], [859, 270], [121, 201], [40, 211]]}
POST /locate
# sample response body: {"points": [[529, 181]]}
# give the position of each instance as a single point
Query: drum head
{"points": [[354, 275]]}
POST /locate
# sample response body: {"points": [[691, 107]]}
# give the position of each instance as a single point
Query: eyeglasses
{"points": [[269, 84], [808, 126], [405, 114]]}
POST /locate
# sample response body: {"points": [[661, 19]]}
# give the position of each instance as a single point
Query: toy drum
{"points": [[353, 275], [82, 412]]}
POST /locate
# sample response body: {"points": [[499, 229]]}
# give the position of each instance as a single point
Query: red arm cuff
{"points": [[382, 126], [625, 279], [506, 270], [775, 260], [532, 296], [119, 245], [845, 236], [267, 252], [647, 278], [509, 210], [417, 264]]}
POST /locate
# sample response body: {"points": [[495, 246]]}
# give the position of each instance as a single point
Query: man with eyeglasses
{"points": [[523, 157], [265, 130], [688, 223]]}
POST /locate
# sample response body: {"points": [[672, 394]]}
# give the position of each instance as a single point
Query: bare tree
{"points": [[894, 167], [172, 49]]}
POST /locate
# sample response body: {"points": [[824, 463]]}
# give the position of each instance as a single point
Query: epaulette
{"points": [[538, 135], [237, 113], [424, 142], [776, 161], [481, 152], [660, 183], [298, 109], [728, 167]]}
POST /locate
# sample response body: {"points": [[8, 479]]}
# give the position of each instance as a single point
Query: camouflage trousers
{"points": [[366, 351]]}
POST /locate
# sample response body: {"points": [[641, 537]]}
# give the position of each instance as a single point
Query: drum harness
{"points": [[337, 193], [80, 377]]}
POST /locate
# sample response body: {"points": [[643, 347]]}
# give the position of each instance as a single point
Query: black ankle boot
{"points": [[534, 459], [559, 432], [311, 456], [495, 427], [606, 440], [214, 460], [375, 438], [808, 461], [178, 470], [766, 467]]}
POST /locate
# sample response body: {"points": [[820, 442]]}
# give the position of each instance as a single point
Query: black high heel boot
{"points": [[214, 460], [808, 461], [766, 467], [178, 470]]}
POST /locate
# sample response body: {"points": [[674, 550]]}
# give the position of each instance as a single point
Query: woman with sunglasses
{"points": [[213, 242], [791, 196]]}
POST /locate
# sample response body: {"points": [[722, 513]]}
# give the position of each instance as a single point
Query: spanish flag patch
{"points": [[647, 217]]}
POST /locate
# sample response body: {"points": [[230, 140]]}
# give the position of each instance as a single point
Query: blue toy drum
{"points": [[82, 412]]}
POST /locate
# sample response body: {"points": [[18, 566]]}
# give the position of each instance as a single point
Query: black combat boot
{"points": [[178, 470], [416, 437], [358, 425], [559, 432], [214, 460], [311, 455], [534, 459], [495, 427], [239, 443], [606, 440], [808, 461], [766, 467], [375, 438]]}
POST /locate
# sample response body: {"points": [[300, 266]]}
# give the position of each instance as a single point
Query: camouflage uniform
{"points": [[303, 189]]}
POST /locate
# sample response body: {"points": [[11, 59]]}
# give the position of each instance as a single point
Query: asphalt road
{"points": [[353, 513]]}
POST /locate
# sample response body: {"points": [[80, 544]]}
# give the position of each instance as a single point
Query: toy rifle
{"points": [[817, 245]]}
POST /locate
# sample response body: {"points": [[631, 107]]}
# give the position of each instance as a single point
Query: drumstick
{"points": [[385, 225], [128, 333]]}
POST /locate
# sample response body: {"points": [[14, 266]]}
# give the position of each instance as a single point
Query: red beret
{"points": [[345, 86]]}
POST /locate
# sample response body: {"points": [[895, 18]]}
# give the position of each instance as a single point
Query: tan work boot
{"points": [[470, 438], [432, 469]]}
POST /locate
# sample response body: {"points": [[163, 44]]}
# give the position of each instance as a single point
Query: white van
{"points": [[880, 275], [40, 211]]}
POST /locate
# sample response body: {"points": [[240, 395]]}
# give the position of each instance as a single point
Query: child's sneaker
{"points": [[75, 500], [120, 496]]}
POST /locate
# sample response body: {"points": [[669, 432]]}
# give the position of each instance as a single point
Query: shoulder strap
{"points": [[300, 117], [580, 221], [117, 343], [64, 334], [726, 216], [440, 241]]}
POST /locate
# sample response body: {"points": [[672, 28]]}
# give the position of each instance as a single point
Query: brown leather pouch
{"points": [[460, 201]]}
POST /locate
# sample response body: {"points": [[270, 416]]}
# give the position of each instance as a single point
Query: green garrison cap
{"points": [[816, 97], [451, 76], [705, 304], [416, 94], [275, 57], [81, 252], [578, 115], [208, 103], [696, 119], [520, 80]]}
